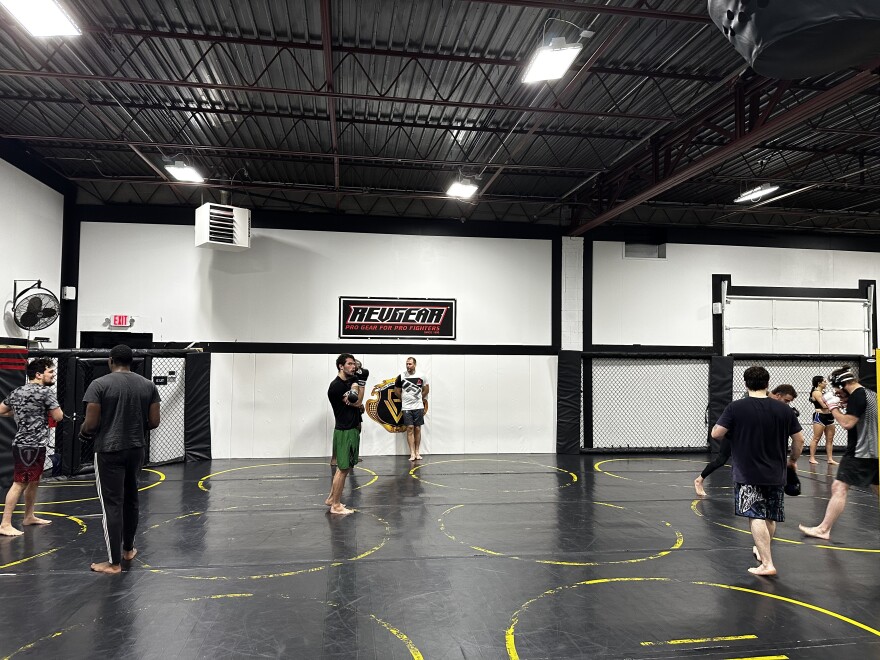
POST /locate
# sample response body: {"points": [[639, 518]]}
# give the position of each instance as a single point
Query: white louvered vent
{"points": [[222, 227]]}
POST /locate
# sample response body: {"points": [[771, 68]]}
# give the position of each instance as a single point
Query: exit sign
{"points": [[120, 321]]}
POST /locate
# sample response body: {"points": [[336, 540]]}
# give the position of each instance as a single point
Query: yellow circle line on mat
{"points": [[617, 476], [248, 467], [90, 499], [411, 647], [265, 576], [679, 541], [78, 521], [780, 539], [413, 650], [510, 633], [413, 474]]}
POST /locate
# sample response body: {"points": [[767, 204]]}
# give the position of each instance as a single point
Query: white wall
{"points": [[669, 301], [271, 406], [30, 241], [573, 293], [286, 288]]}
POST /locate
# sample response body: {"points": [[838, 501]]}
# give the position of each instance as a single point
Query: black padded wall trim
{"points": [[197, 413], [569, 400], [720, 391]]}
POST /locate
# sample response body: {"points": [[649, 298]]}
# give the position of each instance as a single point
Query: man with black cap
{"points": [[121, 408], [859, 466]]}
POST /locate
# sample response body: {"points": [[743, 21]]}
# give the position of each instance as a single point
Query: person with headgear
{"points": [[121, 408], [859, 465]]}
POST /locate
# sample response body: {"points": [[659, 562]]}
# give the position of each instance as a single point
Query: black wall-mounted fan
{"points": [[34, 308]]}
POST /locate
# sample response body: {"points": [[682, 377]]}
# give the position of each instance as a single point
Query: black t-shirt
{"points": [[760, 428], [862, 438], [347, 417], [125, 399]]}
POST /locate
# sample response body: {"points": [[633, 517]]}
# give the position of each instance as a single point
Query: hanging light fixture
{"points": [[42, 18], [551, 62], [756, 194], [183, 172], [462, 189]]}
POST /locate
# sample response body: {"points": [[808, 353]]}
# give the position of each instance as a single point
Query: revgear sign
{"points": [[396, 318]]}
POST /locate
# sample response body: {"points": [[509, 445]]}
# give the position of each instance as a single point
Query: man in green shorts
{"points": [[346, 433]]}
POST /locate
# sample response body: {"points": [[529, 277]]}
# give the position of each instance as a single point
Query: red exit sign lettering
{"points": [[119, 321]]}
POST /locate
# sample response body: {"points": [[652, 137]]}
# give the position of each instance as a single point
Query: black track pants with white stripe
{"points": [[116, 474]]}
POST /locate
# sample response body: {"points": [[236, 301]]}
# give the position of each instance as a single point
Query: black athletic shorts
{"points": [[762, 502], [861, 472]]}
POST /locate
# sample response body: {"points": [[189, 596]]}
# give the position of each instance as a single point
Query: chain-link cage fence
{"points": [[648, 403], [167, 441], [799, 373]]}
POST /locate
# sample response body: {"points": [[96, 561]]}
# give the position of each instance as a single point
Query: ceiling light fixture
{"points": [[553, 61], [756, 194], [462, 189], [183, 172], [42, 18]]}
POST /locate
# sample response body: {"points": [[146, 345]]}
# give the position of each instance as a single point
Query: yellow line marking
{"points": [[202, 481], [90, 499], [702, 640], [762, 657], [78, 521], [219, 596], [314, 569], [510, 633], [694, 508], [679, 541], [413, 474], [53, 635]]}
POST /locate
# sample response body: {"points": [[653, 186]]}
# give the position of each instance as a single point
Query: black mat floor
{"points": [[501, 556]]}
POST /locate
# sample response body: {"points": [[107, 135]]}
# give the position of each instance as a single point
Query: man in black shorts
{"points": [[121, 408], [859, 465], [31, 405], [785, 393], [413, 388], [346, 430], [760, 427]]}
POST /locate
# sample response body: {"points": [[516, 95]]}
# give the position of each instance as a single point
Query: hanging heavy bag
{"points": [[790, 40]]}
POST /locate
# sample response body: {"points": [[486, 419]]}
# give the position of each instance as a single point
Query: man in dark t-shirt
{"points": [[859, 465], [760, 428], [346, 428], [121, 408]]}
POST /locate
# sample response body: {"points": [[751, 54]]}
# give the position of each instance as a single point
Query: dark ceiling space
{"points": [[373, 107]]}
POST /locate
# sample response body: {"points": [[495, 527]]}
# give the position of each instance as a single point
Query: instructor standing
{"points": [[121, 408], [413, 388]]}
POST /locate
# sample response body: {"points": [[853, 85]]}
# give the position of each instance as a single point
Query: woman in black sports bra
{"points": [[823, 421]]}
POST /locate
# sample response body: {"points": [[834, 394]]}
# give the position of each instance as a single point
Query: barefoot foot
{"points": [[418, 457], [341, 510], [815, 532], [763, 570], [698, 487], [128, 555], [813, 461], [106, 567], [36, 521], [831, 461], [9, 530], [412, 458]]}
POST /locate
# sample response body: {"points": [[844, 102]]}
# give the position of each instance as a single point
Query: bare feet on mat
{"points": [[815, 532], [341, 510], [36, 521], [9, 530], [763, 570], [698, 486], [813, 461], [128, 555], [756, 554], [411, 457], [106, 567], [418, 457], [831, 461]]}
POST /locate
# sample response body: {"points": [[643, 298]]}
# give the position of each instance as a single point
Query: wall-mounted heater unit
{"points": [[222, 227]]}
